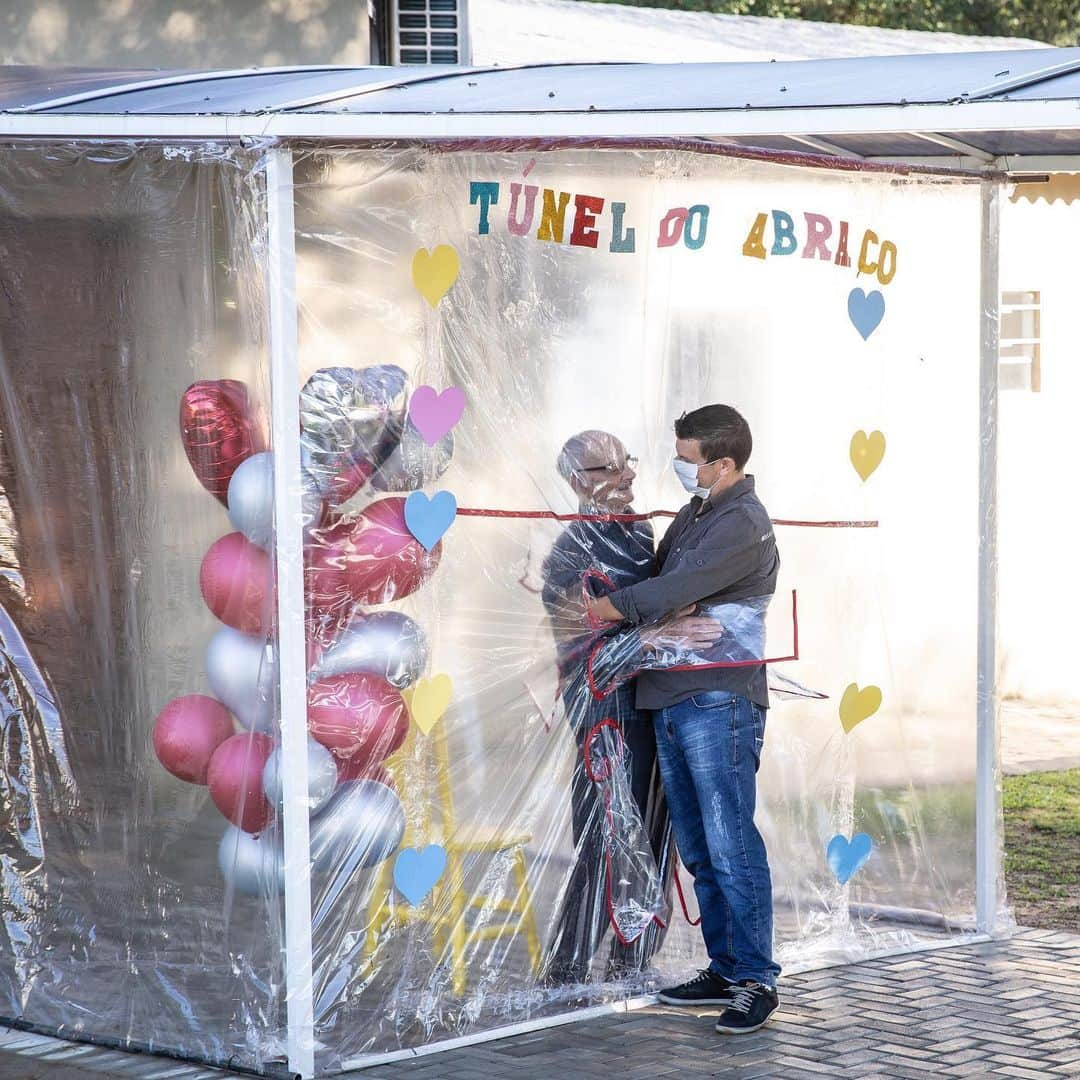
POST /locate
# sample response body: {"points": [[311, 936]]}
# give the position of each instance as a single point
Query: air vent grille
{"points": [[430, 32]]}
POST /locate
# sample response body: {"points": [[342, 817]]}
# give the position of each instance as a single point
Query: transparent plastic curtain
{"points": [[131, 306], [486, 305]]}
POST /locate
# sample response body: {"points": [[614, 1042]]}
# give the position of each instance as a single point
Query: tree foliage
{"points": [[1054, 21]]}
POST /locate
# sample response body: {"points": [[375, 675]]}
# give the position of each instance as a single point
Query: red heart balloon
{"points": [[220, 428], [369, 559]]}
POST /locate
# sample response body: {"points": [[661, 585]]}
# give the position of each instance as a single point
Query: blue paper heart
{"points": [[865, 310], [416, 872], [847, 856], [428, 519]]}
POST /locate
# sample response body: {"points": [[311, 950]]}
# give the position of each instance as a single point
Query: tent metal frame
{"points": [[804, 125]]}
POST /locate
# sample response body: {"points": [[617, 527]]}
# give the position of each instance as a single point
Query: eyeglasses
{"points": [[612, 467]]}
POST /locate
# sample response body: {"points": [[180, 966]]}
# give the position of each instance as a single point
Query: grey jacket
{"points": [[716, 551]]}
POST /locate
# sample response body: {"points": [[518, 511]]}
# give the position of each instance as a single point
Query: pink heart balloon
{"points": [[434, 414]]}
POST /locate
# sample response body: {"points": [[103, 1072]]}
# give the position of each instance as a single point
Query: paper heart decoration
{"points": [[434, 272], [428, 700], [866, 452], [434, 414], [856, 705], [416, 873], [846, 857], [865, 310], [428, 519]]}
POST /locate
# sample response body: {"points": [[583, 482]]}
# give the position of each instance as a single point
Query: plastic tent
{"points": [[301, 263]]}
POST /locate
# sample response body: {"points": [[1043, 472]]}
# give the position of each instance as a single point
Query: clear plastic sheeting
{"points": [[127, 276], [587, 299], [494, 345]]}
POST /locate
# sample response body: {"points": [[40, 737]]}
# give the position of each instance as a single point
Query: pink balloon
{"points": [[237, 583], [359, 717], [187, 732], [369, 559], [235, 780]]}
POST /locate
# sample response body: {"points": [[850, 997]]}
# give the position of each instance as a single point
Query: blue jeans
{"points": [[709, 748]]}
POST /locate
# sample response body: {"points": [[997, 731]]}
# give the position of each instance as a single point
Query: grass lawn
{"points": [[1042, 848]]}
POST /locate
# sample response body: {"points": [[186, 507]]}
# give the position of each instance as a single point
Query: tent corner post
{"points": [[987, 788], [291, 652]]}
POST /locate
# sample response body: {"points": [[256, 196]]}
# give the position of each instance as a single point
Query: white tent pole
{"points": [[987, 789], [292, 648]]}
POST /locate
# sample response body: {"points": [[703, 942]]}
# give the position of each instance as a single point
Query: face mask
{"points": [[687, 473]]}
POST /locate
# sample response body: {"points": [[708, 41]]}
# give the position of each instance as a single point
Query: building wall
{"points": [[1039, 570], [184, 33]]}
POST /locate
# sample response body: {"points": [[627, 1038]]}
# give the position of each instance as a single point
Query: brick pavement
{"points": [[1004, 1009]]}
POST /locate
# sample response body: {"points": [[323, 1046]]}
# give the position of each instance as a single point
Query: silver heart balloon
{"points": [[252, 865], [384, 643], [350, 417], [322, 776], [414, 464], [359, 827], [240, 669]]}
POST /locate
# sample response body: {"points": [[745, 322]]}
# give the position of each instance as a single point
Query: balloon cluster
{"points": [[354, 432]]}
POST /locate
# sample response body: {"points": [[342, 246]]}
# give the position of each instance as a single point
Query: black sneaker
{"points": [[749, 1006], [707, 989]]}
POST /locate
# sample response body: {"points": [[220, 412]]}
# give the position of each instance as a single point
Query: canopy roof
{"points": [[972, 106]]}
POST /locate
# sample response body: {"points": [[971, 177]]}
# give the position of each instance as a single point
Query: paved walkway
{"points": [[1005, 1009], [1039, 738]]}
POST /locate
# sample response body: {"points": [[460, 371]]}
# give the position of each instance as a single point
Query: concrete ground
{"points": [[1001, 1009], [1039, 738]]}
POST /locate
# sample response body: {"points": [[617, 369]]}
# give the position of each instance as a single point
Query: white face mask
{"points": [[687, 472]]}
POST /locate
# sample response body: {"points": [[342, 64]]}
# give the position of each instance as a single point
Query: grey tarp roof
{"points": [[929, 79]]}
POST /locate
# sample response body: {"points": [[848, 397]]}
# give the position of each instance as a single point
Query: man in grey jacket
{"points": [[710, 720]]}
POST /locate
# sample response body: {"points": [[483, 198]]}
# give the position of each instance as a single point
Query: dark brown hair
{"points": [[722, 432]]}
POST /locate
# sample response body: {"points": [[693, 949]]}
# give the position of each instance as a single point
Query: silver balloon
{"points": [[414, 464], [385, 643], [322, 776], [359, 827], [252, 865], [240, 669], [251, 499], [350, 416]]}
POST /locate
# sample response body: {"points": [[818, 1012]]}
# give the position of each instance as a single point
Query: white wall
{"points": [[184, 33], [1039, 509]]}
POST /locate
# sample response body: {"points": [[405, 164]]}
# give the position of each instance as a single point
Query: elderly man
{"points": [[597, 467]]}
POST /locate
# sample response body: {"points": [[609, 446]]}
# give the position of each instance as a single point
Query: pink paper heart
{"points": [[434, 414]]}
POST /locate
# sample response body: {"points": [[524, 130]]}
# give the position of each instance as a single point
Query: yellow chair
{"points": [[447, 910]]}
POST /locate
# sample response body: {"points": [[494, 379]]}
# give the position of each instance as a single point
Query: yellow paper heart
{"points": [[428, 700], [433, 272], [867, 452], [856, 705]]}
